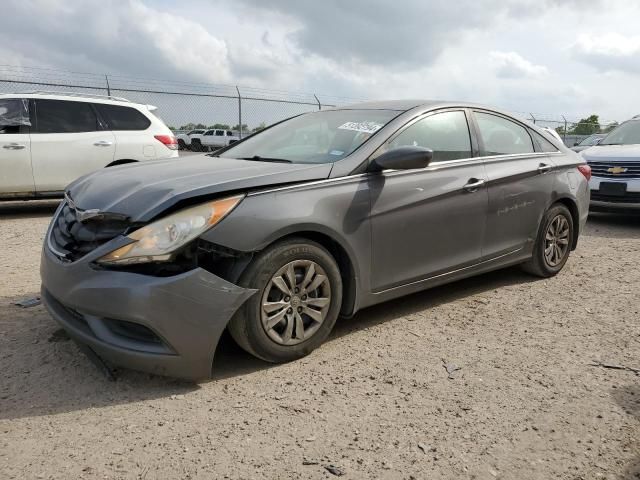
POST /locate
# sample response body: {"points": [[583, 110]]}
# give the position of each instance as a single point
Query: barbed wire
{"points": [[203, 102]]}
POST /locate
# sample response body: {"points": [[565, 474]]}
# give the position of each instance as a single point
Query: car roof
{"points": [[406, 105], [73, 97]]}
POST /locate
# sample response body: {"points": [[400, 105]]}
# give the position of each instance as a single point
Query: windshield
{"points": [[592, 140], [626, 134], [319, 137]]}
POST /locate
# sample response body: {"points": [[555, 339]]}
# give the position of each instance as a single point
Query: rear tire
{"points": [[181, 144], [196, 146], [553, 243], [297, 303]]}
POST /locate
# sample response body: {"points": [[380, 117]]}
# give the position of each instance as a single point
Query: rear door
{"points": [[428, 221], [16, 175], [519, 184], [131, 128], [68, 141]]}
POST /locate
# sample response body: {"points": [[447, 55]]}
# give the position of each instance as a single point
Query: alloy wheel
{"points": [[556, 243], [295, 302]]}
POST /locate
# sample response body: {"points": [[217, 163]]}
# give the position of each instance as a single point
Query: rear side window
{"points": [[544, 145], [62, 116], [123, 118], [501, 136], [447, 134], [219, 133]]}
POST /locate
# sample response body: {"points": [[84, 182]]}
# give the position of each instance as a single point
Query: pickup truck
{"points": [[184, 139], [212, 140]]}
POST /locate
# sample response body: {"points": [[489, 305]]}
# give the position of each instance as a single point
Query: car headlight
{"points": [[157, 241]]}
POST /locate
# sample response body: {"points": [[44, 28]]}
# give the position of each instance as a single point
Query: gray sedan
{"points": [[316, 217]]}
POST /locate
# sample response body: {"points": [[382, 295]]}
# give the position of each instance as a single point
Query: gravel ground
{"points": [[375, 401]]}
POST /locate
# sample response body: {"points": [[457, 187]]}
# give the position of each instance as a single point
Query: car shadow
{"points": [[418, 302], [28, 209], [45, 373], [628, 397]]}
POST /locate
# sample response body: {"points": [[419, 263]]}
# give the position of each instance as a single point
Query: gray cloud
{"points": [[609, 52], [112, 36], [412, 32]]}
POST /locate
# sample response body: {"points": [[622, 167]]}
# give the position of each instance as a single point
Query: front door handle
{"points": [[103, 143], [473, 185], [14, 146], [544, 168]]}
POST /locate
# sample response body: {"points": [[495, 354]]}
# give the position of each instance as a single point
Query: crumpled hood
{"points": [[606, 153], [143, 190]]}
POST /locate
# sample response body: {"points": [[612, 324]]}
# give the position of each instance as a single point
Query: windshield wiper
{"points": [[258, 158]]}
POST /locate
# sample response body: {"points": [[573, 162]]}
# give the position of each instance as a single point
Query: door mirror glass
{"points": [[402, 158]]}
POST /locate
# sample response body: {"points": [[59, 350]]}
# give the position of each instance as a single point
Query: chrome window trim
{"points": [[434, 167]]}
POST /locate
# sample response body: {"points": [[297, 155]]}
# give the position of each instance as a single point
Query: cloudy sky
{"points": [[552, 57]]}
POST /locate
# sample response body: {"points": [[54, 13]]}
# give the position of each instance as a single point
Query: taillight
{"points": [[168, 141], [585, 170]]}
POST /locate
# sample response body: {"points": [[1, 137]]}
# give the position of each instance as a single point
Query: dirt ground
{"points": [[375, 401]]}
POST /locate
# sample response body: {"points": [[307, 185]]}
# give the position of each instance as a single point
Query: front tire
{"points": [[298, 301], [553, 243]]}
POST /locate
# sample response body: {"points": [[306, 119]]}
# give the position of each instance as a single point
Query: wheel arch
{"points": [[339, 252], [122, 161]]}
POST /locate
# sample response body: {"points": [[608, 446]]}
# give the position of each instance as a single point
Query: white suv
{"points": [[49, 140]]}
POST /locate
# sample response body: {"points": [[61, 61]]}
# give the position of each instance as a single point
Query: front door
{"points": [[428, 221], [68, 142], [16, 176]]}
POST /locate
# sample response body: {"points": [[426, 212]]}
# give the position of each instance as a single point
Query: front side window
{"points": [[447, 134], [208, 133], [626, 134], [123, 118], [229, 133], [319, 137], [63, 116], [501, 136], [219, 133], [14, 115]]}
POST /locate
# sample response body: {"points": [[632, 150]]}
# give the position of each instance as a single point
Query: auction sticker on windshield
{"points": [[365, 127]]}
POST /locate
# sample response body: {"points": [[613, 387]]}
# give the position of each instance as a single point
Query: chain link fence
{"points": [[182, 105], [188, 105]]}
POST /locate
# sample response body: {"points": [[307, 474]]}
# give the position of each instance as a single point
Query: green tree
{"points": [[262, 126], [245, 127], [220, 126], [587, 126], [193, 126]]}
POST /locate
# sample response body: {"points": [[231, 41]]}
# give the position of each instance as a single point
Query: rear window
{"points": [[123, 118], [63, 116], [544, 145]]}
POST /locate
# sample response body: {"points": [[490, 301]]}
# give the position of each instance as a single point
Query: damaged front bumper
{"points": [[162, 325]]}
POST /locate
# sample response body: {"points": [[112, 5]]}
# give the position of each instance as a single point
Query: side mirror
{"points": [[576, 144], [402, 158], [598, 141]]}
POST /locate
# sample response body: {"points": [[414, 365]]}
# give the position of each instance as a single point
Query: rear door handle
{"points": [[544, 168], [14, 146], [473, 185], [103, 143]]}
